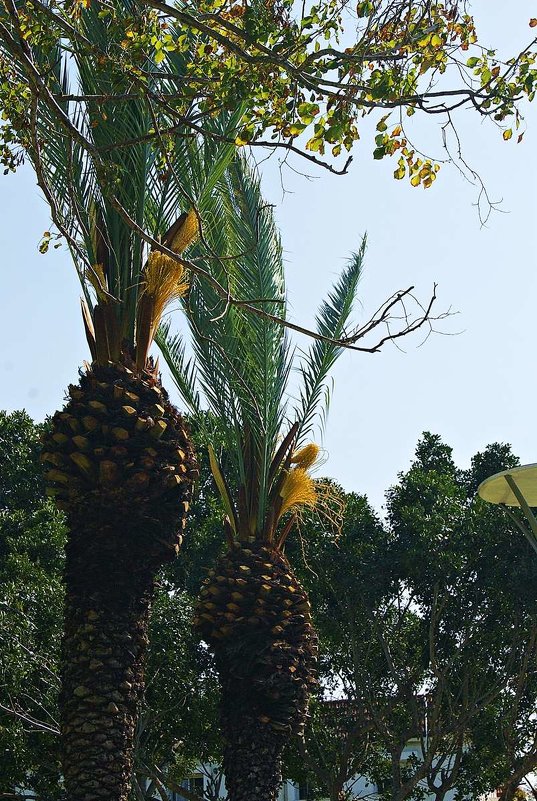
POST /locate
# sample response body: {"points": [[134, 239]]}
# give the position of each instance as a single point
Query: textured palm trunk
{"points": [[109, 591], [256, 617], [121, 466], [252, 757]]}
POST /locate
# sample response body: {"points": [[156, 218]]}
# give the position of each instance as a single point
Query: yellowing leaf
{"points": [[381, 125], [316, 145], [296, 128], [508, 134], [308, 111]]}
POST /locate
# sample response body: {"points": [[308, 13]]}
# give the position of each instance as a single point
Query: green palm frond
{"points": [[243, 359], [316, 364], [172, 348], [121, 180]]}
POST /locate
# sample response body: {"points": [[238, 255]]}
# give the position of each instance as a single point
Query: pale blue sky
{"points": [[473, 388]]}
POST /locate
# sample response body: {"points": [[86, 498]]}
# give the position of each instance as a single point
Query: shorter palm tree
{"points": [[252, 610]]}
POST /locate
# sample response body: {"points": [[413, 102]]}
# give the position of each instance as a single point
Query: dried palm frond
{"points": [[97, 278], [89, 328], [164, 280]]}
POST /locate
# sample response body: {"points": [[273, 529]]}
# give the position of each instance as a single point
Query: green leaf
{"points": [[381, 124], [316, 364], [297, 128], [308, 112], [222, 488]]}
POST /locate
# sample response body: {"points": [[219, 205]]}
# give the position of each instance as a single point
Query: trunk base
{"points": [[252, 761]]}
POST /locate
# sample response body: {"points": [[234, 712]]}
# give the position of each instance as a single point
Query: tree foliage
{"points": [[304, 77], [31, 544], [428, 614], [428, 624]]}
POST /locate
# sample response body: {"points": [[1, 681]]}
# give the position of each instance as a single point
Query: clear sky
{"points": [[475, 385]]}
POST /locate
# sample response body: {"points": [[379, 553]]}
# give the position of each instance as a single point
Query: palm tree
{"points": [[252, 611], [118, 458]]}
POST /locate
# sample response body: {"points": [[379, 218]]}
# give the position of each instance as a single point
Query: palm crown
{"points": [[113, 187], [242, 362]]}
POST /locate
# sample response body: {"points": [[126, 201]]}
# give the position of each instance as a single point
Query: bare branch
{"points": [[33, 723]]}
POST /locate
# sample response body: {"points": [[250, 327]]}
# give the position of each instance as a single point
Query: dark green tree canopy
{"points": [[469, 634], [31, 596], [428, 617]]}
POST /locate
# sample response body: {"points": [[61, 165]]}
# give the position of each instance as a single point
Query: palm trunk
{"points": [[255, 615], [121, 466], [252, 757], [109, 591]]}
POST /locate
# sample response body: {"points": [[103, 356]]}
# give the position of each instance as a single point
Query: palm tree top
{"points": [[115, 187], [240, 364]]}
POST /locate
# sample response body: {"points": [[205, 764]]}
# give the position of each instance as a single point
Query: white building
{"points": [[208, 782]]}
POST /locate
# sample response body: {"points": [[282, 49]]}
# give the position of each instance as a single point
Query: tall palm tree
{"points": [[252, 611], [118, 458]]}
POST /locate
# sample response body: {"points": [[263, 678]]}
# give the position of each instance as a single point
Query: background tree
{"points": [[504, 737], [32, 535], [444, 531], [342, 739], [430, 634]]}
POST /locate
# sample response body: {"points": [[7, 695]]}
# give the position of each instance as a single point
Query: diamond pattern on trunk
{"points": [[257, 618], [118, 448]]}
